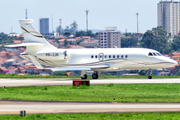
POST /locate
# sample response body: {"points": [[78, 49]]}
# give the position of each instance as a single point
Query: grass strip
{"points": [[96, 116], [15, 76], [96, 93]]}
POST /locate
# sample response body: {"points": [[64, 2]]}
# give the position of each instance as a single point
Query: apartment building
{"points": [[169, 16], [44, 25], [110, 38]]}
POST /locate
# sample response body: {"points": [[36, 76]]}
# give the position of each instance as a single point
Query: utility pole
{"points": [[74, 26], [87, 20], [26, 15], [137, 26], [60, 27]]}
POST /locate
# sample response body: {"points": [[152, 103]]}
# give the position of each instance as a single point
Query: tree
{"points": [[128, 34], [67, 34], [85, 33], [129, 42], [147, 39], [176, 43], [66, 43], [156, 39]]}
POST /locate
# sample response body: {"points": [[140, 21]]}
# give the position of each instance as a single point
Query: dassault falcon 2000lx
{"points": [[40, 52]]}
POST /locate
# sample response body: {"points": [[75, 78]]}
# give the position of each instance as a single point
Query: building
{"points": [[110, 38], [169, 16], [89, 44], [44, 25]]}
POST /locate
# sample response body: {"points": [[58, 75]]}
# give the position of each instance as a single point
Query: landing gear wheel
{"points": [[149, 77], [84, 77], [95, 76]]}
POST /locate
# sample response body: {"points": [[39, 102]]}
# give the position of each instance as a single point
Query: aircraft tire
{"points": [[84, 77], [95, 76], [149, 77]]}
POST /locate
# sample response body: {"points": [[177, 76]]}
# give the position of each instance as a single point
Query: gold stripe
{"points": [[30, 32]]}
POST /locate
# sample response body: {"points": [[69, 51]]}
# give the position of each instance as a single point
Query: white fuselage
{"points": [[115, 58]]}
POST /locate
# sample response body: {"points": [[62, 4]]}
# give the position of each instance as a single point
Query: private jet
{"points": [[42, 53]]}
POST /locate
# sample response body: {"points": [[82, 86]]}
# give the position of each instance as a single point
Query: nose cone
{"points": [[172, 62], [169, 62]]}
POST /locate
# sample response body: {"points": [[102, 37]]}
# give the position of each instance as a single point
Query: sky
{"points": [[102, 13]]}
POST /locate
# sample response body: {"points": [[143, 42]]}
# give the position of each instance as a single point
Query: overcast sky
{"points": [[102, 13]]}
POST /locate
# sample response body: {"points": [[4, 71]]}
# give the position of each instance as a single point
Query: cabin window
{"points": [[122, 56], [117, 56], [154, 54], [105, 56], [92, 56], [109, 56], [150, 54], [114, 56], [126, 56], [96, 56]]}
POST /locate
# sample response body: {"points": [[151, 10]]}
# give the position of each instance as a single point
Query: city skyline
{"points": [[102, 13]]}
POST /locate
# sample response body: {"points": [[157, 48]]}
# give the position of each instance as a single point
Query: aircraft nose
{"points": [[173, 62]]}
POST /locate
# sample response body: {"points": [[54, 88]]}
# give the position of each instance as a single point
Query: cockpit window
{"points": [[154, 54], [150, 54], [159, 54]]}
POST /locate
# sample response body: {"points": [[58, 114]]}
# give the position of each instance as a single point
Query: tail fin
{"points": [[32, 36]]}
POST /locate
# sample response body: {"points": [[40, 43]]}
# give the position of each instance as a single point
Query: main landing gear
{"points": [[95, 75], [84, 76]]}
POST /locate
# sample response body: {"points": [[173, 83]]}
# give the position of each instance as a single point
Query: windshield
{"points": [[154, 54]]}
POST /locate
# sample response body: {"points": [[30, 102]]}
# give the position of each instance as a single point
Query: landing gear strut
{"points": [[150, 77], [83, 74], [95, 75]]}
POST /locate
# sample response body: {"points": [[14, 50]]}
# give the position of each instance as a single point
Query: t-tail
{"points": [[34, 42]]}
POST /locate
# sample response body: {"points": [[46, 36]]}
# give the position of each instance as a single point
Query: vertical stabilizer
{"points": [[31, 35]]}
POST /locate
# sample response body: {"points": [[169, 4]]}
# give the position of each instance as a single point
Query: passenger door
{"points": [[101, 56]]}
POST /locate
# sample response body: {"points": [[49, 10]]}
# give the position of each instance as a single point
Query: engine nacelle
{"points": [[60, 55]]}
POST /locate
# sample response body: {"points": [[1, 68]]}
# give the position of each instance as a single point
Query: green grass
{"points": [[96, 93], [89, 76], [96, 116]]}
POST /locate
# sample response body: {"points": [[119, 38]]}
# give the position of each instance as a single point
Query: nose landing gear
{"points": [[150, 77]]}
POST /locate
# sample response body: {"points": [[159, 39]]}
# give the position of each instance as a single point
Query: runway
{"points": [[14, 107], [52, 82]]}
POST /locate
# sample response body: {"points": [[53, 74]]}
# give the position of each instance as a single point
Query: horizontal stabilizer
{"points": [[24, 44]]}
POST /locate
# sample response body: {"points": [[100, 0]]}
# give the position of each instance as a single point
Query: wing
{"points": [[80, 68]]}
